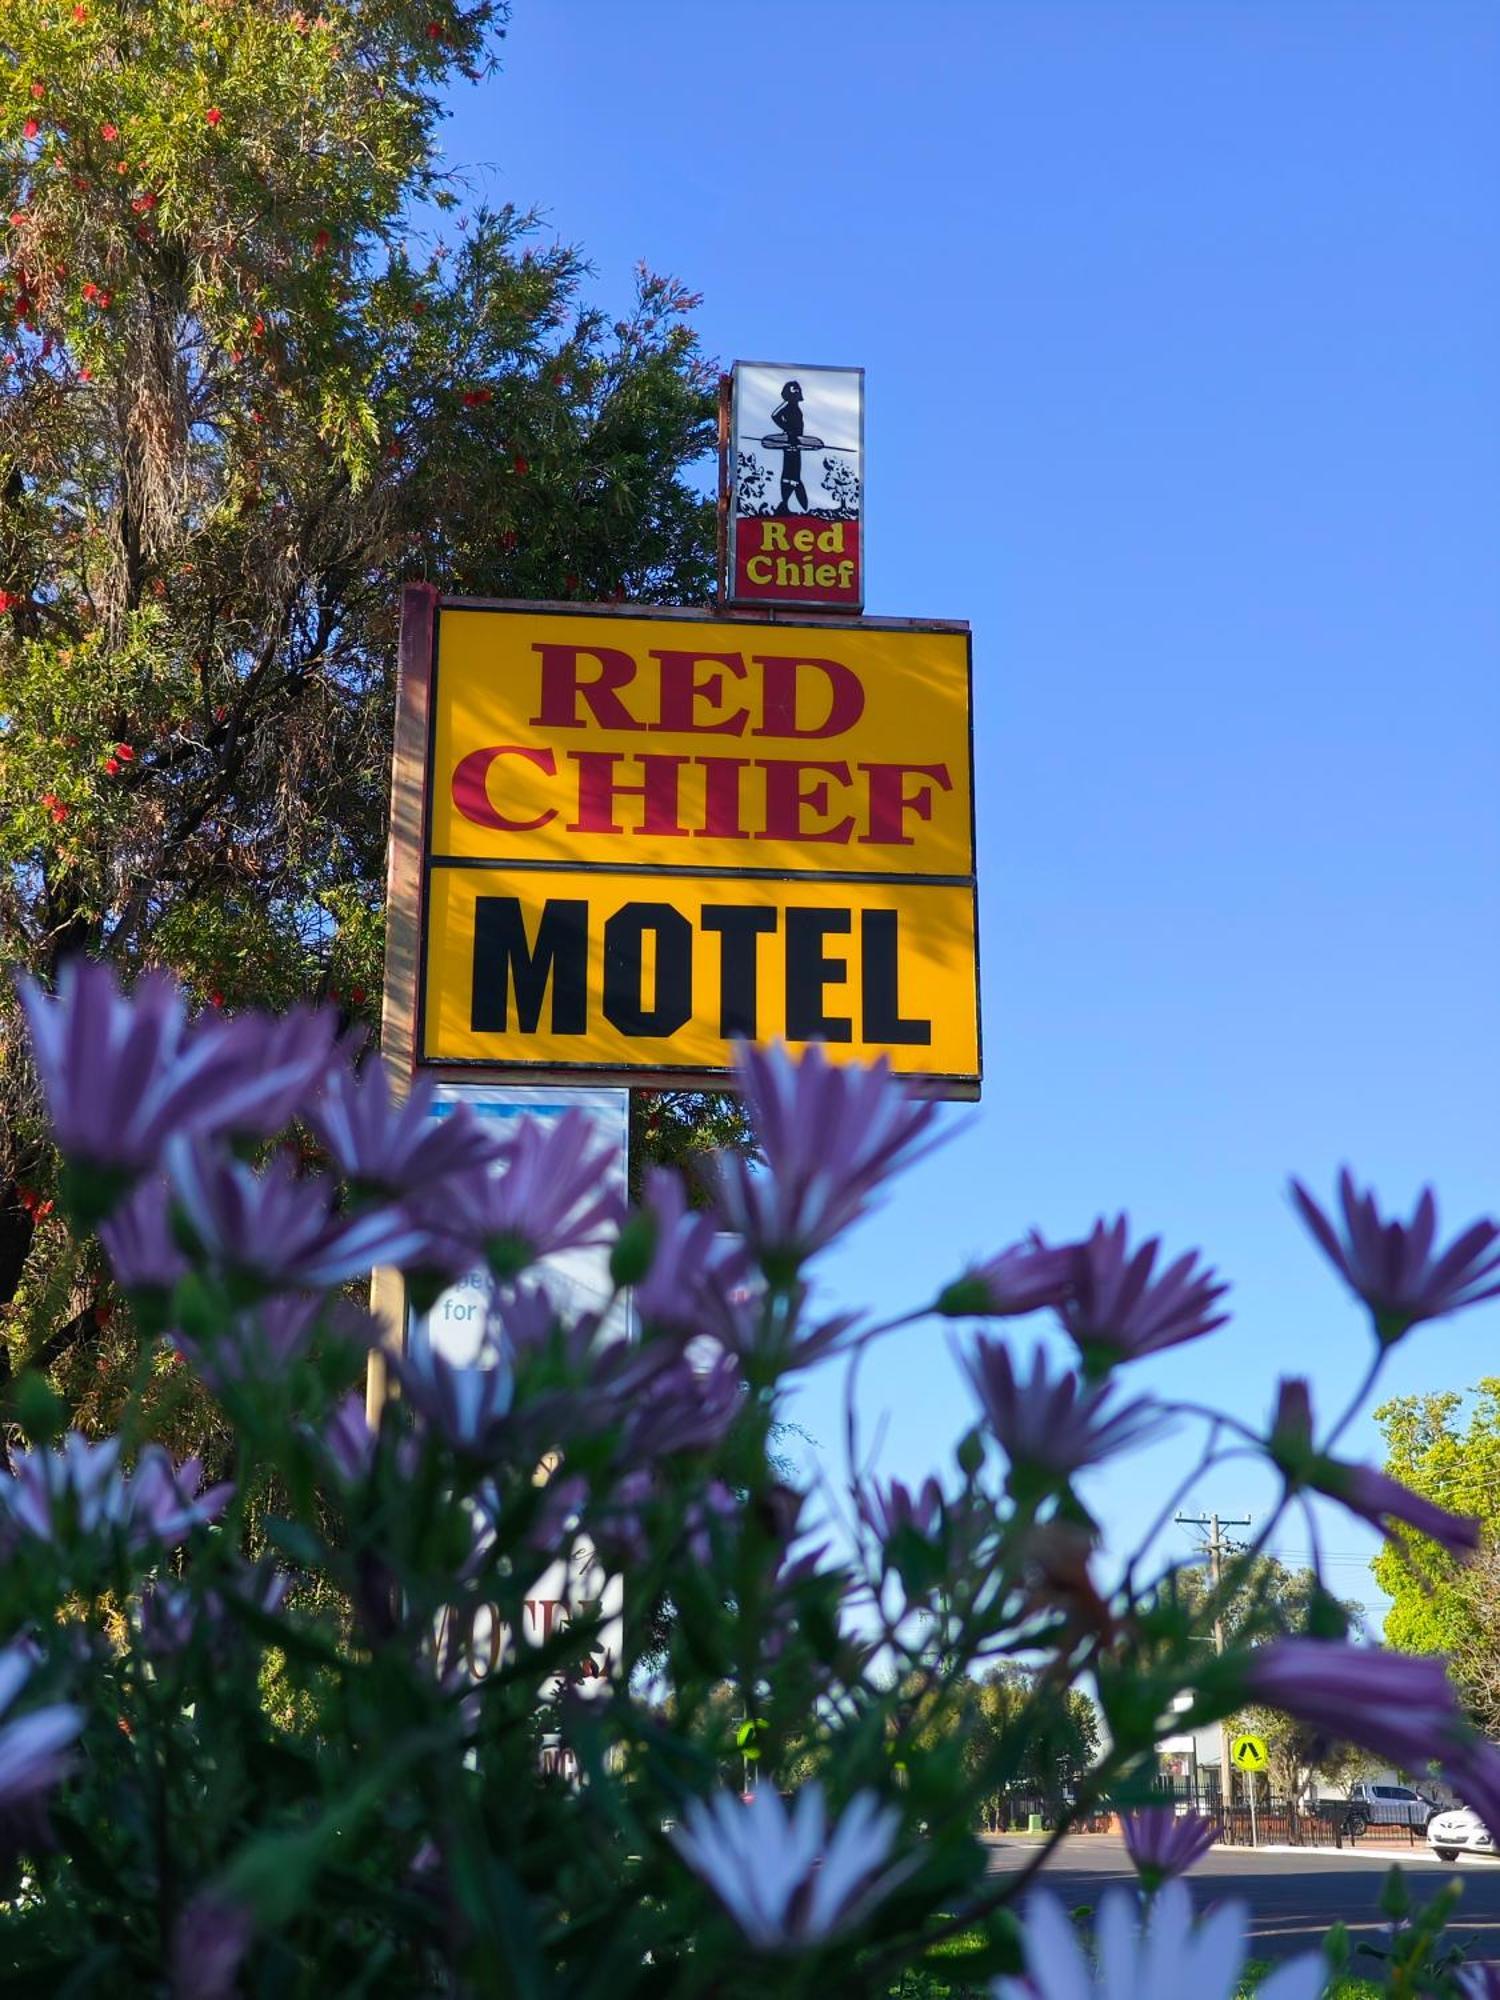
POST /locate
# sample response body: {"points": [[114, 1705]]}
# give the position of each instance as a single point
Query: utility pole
{"points": [[1214, 1525]]}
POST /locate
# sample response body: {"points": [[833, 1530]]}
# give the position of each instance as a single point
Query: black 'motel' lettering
{"points": [[878, 972], [808, 971], [739, 927], [624, 1003], [502, 956]]}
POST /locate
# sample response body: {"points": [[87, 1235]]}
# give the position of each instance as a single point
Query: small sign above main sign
{"points": [[794, 469]]}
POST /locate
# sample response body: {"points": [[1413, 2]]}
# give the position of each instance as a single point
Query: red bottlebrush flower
{"points": [[259, 327], [60, 812], [125, 754], [80, 12], [18, 221], [235, 357], [557, 382], [112, 765], [570, 583], [509, 539], [39, 91], [122, 167], [320, 242], [6, 601], [91, 290], [418, 306], [85, 374], [216, 998], [521, 466], [30, 128], [80, 185], [214, 115], [105, 300], [356, 996], [434, 31], [109, 133]]}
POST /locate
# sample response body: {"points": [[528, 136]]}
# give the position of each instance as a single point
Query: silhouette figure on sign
{"points": [[788, 419], [790, 439]]}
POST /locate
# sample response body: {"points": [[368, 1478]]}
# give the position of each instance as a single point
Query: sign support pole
{"points": [[403, 922]]}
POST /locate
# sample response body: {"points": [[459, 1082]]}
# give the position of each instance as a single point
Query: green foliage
{"points": [[1448, 1449], [245, 394]]}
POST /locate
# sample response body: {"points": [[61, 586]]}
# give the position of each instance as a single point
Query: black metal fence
{"points": [[1277, 1821], [1285, 1822]]}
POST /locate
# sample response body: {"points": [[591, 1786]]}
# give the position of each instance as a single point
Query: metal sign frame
{"points": [[729, 513]]}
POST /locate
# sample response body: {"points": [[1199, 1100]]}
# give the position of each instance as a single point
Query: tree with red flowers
{"points": [[257, 370]]}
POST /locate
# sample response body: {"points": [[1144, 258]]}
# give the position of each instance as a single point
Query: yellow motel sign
{"points": [[641, 836]]}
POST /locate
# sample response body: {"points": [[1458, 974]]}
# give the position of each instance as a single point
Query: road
{"points": [[1293, 1898]]}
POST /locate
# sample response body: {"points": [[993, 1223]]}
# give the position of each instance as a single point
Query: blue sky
{"points": [[1182, 331]]}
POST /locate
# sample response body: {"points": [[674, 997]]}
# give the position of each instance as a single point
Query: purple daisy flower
{"points": [[277, 1229], [279, 1059], [1163, 1954], [1052, 1426], [33, 1745], [1117, 1312], [262, 1344], [892, 1508], [79, 1488], [1022, 1279], [790, 1880], [552, 1194], [831, 1133], [672, 1404], [765, 1327], [1374, 1496], [396, 1148], [164, 1502], [121, 1075], [209, 1945], [689, 1255], [348, 1438], [139, 1243], [1162, 1843], [467, 1406], [1392, 1265]]}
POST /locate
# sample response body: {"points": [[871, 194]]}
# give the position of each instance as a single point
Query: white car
{"points": [[1457, 1831]]}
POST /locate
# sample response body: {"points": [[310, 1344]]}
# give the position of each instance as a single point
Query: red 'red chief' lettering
{"points": [[787, 798], [562, 686], [682, 690], [846, 696], [890, 801], [471, 791]]}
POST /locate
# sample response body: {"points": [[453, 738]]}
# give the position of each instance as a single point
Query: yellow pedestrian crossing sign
{"points": [[745, 1741], [1249, 1753]]}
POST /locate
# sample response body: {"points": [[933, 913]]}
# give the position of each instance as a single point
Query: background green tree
{"points": [[257, 370], [1447, 1447]]}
